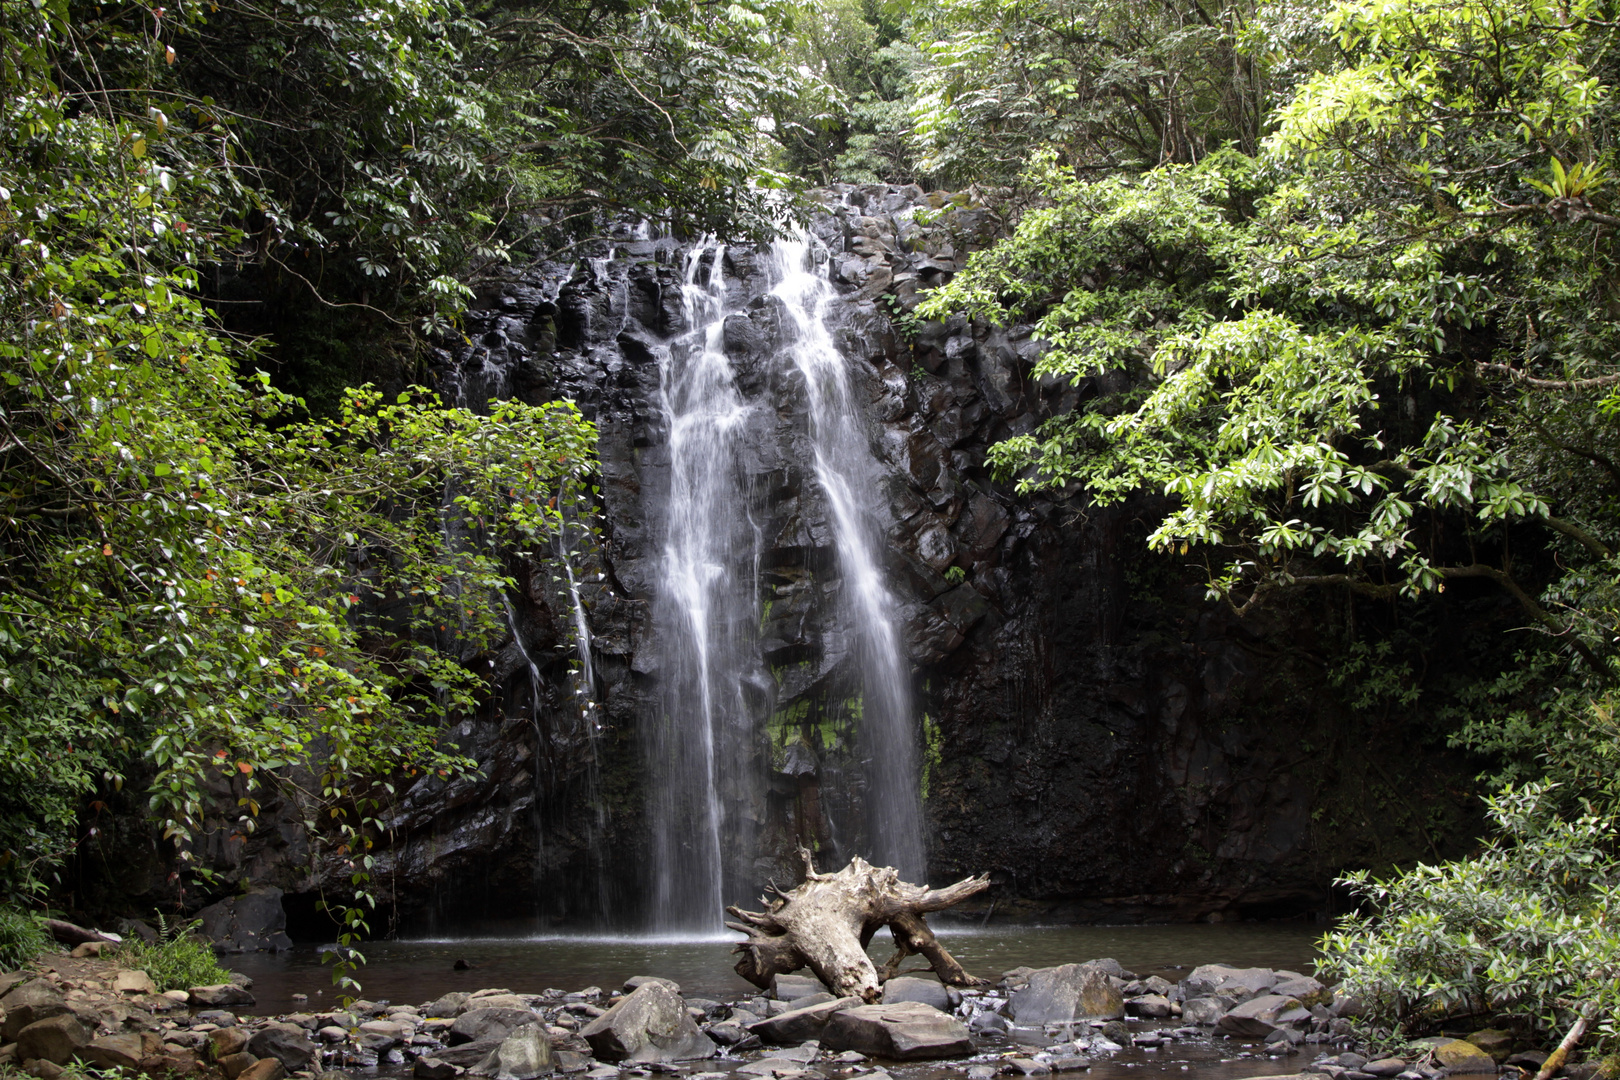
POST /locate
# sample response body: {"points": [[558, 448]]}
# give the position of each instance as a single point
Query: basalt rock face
{"points": [[1096, 735]]}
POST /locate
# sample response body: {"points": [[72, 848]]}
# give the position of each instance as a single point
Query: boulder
{"points": [[909, 988], [252, 922], [1260, 1016], [54, 1039], [432, 1068], [1494, 1041], [797, 1025], [904, 1031], [134, 982], [522, 1055], [1385, 1067], [114, 1052], [636, 982], [487, 1025], [234, 1065], [1460, 1056], [1069, 992], [1307, 989], [1238, 983], [450, 1004], [793, 987], [35, 1000], [1205, 1011], [1156, 1006], [265, 1069], [650, 1025], [220, 996], [287, 1043]]}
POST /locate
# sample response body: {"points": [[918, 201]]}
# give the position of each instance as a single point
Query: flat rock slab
{"points": [[220, 996], [905, 1031], [1064, 993], [797, 1025], [650, 1025], [1259, 1016]]}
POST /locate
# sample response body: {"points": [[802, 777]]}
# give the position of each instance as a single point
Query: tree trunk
{"points": [[826, 923]]}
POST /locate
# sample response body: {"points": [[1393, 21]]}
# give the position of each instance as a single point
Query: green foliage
{"points": [[177, 960], [370, 159], [1331, 354], [194, 574], [21, 938], [1525, 927]]}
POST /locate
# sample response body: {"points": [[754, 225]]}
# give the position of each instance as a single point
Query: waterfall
{"points": [[851, 479], [704, 745], [706, 613]]}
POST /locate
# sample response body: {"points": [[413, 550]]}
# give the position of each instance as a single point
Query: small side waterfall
{"points": [[706, 747]]}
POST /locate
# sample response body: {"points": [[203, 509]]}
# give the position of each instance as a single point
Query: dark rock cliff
{"points": [[1096, 735]]}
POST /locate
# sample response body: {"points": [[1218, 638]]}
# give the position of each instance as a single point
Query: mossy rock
{"points": [[1495, 1042]]}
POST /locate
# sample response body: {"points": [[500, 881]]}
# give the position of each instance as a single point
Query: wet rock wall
{"points": [[1100, 738]]}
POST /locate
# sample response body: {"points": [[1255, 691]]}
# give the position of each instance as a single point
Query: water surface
{"points": [[413, 972]]}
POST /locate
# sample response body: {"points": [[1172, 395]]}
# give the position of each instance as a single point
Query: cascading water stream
{"points": [[849, 476], [705, 613], [708, 612]]}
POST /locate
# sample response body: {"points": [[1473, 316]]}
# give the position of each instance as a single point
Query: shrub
{"points": [[1526, 927], [177, 960], [21, 938]]}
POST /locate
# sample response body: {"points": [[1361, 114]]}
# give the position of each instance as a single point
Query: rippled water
{"points": [[412, 972]]}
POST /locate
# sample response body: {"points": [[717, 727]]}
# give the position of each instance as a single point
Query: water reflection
{"points": [[418, 971]]}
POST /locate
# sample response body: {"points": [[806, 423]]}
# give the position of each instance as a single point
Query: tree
{"points": [[1366, 359], [193, 574]]}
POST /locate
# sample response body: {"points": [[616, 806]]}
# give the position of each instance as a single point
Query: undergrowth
{"points": [[177, 960], [21, 938]]}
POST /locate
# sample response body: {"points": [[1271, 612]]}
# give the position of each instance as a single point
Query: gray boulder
{"points": [[904, 1031], [522, 1055], [1298, 986], [1155, 1006], [793, 987], [1069, 992], [908, 988], [252, 922], [1239, 984], [431, 1068], [221, 996], [54, 1039], [450, 1004], [287, 1043], [486, 1025], [1259, 1017], [797, 1025], [636, 982], [29, 1003], [650, 1025], [1205, 1011]]}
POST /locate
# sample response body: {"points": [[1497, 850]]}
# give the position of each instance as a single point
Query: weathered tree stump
{"points": [[826, 923]]}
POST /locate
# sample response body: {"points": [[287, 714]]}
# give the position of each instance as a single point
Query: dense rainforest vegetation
{"points": [[1339, 277]]}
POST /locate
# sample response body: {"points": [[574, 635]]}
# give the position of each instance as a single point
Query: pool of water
{"points": [[413, 972]]}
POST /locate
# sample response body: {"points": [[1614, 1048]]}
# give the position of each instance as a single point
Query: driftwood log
{"points": [[826, 923]]}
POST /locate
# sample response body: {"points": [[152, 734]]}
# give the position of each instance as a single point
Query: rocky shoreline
{"points": [[1069, 1018]]}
